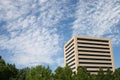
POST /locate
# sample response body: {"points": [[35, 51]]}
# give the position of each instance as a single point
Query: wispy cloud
{"points": [[98, 18], [32, 36], [33, 30]]}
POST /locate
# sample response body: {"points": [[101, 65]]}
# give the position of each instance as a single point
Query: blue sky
{"points": [[34, 32]]}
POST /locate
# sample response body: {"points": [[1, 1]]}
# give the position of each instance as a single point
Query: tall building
{"points": [[89, 52]]}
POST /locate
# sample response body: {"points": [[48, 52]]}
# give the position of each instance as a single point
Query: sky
{"points": [[33, 32]]}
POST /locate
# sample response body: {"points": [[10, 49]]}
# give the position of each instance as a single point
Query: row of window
{"points": [[70, 58], [69, 50], [69, 43], [69, 47], [70, 54], [84, 39], [96, 66], [72, 64], [93, 47], [94, 63], [71, 61], [94, 59], [73, 68], [94, 55], [93, 51], [92, 43]]}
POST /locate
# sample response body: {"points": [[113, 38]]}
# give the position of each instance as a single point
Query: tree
{"points": [[22, 73], [100, 75], [93, 77], [63, 73], [67, 72], [7, 71], [82, 74], [3, 69], [59, 73], [108, 75], [117, 74], [11, 71], [39, 73]]}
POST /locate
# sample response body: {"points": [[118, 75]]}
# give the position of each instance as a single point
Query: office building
{"points": [[89, 52]]}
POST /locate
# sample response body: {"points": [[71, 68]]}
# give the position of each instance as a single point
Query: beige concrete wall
{"points": [[95, 50], [112, 57]]}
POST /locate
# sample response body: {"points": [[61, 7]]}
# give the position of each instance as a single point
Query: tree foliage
{"points": [[117, 74], [82, 74], [63, 73], [39, 73], [7, 71], [10, 72], [22, 74]]}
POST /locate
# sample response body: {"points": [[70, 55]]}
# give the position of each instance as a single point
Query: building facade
{"points": [[89, 52]]}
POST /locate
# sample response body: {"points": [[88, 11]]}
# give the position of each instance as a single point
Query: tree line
{"points": [[10, 72]]}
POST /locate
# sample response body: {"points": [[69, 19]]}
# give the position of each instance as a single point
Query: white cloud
{"points": [[32, 38], [98, 18], [34, 45]]}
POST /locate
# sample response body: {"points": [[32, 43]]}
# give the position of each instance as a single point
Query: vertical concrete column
{"points": [[64, 57], [112, 57], [76, 53]]}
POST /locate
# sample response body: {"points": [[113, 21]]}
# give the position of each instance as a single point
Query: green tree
{"points": [[82, 74], [7, 71], [93, 77], [59, 73], [63, 73], [117, 74], [11, 71], [22, 73], [3, 70], [108, 75], [100, 75], [68, 73], [39, 73]]}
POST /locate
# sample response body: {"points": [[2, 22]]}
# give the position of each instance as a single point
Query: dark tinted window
{"points": [[94, 51], [93, 43], [69, 43], [92, 40], [92, 47], [94, 55]]}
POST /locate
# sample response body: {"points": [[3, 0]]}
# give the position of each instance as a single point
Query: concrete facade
{"points": [[92, 53]]}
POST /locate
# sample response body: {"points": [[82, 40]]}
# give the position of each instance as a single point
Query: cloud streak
{"points": [[32, 36], [34, 31], [98, 18]]}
